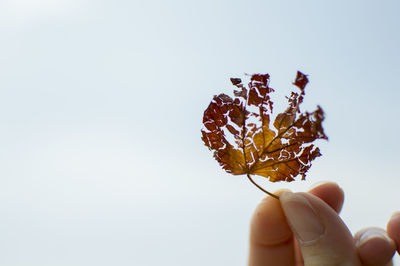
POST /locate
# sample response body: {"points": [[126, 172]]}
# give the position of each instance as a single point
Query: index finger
{"points": [[271, 240]]}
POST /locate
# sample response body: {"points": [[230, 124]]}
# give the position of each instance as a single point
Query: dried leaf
{"points": [[245, 141]]}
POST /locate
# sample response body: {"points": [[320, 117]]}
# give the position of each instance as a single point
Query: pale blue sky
{"points": [[101, 104]]}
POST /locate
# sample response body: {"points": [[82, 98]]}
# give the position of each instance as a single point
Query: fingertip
{"points": [[330, 193], [271, 240], [322, 183], [374, 247], [268, 224]]}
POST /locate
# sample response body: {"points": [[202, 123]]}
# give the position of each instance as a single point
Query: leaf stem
{"points": [[254, 183]]}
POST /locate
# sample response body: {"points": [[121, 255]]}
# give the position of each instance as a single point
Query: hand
{"points": [[305, 229]]}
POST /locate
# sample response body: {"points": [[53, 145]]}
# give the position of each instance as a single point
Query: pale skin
{"points": [[305, 229]]}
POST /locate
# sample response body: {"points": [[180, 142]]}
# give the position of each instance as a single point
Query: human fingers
{"points": [[271, 240], [393, 229], [323, 237], [374, 246], [270, 236]]}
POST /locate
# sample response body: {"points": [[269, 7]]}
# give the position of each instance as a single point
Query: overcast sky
{"points": [[101, 104]]}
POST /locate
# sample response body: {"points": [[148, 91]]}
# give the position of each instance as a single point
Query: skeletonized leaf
{"points": [[244, 139]]}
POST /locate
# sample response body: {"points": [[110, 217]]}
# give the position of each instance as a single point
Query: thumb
{"points": [[323, 237]]}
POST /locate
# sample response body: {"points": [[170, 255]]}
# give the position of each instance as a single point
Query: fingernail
{"points": [[372, 233], [303, 220]]}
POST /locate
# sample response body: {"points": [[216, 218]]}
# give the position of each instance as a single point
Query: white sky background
{"points": [[101, 105]]}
